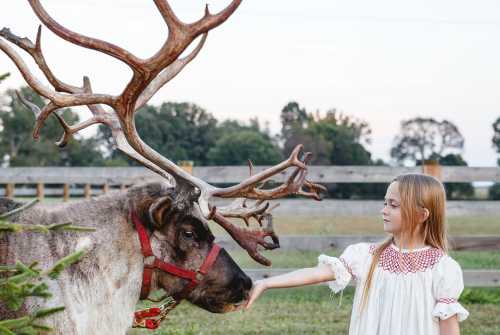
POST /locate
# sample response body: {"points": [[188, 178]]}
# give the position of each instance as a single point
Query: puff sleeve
{"points": [[447, 286], [347, 267]]}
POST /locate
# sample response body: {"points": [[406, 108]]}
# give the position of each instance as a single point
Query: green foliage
{"points": [[63, 263], [481, 296], [19, 148], [237, 143], [334, 139], [293, 117], [179, 131], [183, 131], [494, 192], [24, 281], [17, 227], [20, 281], [4, 76]]}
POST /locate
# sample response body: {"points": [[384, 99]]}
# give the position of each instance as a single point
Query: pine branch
{"points": [[20, 227], [21, 281]]}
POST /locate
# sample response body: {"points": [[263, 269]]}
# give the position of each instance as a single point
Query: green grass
{"points": [[309, 310]]}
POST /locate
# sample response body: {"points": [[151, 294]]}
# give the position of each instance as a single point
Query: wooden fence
{"points": [[89, 181], [321, 243]]}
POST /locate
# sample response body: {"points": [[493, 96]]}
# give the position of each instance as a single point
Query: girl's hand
{"points": [[258, 288]]}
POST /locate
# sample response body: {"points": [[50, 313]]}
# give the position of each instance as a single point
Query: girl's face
{"points": [[391, 213]]}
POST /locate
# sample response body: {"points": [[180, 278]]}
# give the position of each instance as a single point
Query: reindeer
{"points": [[150, 236]]}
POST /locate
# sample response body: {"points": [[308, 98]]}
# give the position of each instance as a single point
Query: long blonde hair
{"points": [[417, 191]]}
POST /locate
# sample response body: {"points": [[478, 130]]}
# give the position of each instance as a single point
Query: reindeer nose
{"points": [[246, 282], [241, 282]]}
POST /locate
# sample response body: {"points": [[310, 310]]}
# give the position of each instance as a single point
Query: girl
{"points": [[405, 285]]}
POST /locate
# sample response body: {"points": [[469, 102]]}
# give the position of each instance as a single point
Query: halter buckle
{"points": [[199, 276]]}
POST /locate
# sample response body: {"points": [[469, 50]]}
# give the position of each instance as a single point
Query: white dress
{"points": [[410, 291]]}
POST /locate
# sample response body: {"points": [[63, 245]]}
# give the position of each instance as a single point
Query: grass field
{"points": [[310, 310]]}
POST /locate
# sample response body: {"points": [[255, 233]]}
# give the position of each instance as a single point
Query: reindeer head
{"points": [[186, 209], [185, 240]]}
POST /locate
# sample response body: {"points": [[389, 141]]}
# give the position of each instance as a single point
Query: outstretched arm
{"points": [[449, 326], [306, 276]]}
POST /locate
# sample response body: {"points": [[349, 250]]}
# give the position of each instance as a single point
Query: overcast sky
{"points": [[381, 61]]}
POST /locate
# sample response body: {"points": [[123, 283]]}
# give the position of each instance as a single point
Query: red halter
{"points": [[151, 262]]}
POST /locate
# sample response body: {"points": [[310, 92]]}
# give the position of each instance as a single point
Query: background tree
{"points": [[335, 139], [424, 139], [421, 138], [494, 191], [180, 131], [236, 143], [17, 147], [293, 117]]}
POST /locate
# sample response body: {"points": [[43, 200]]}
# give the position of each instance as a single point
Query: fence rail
{"points": [[323, 243], [233, 174], [472, 278], [88, 181], [84, 180]]}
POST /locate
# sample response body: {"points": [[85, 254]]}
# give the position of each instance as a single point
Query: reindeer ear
{"points": [[158, 210]]}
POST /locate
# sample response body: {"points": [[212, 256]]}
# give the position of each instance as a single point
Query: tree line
{"points": [[186, 131]]}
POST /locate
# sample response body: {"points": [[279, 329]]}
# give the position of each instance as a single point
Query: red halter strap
{"points": [[151, 262]]}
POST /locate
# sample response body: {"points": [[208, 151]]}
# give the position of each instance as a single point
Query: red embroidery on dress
{"points": [[394, 261], [447, 300], [347, 266]]}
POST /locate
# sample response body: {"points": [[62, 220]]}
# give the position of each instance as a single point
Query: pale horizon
{"points": [[381, 62]]}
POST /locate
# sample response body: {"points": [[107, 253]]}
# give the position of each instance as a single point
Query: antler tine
{"points": [[244, 189], [168, 14], [238, 209], [209, 21], [35, 50], [84, 41], [59, 99], [149, 75], [168, 74], [314, 190], [249, 239]]}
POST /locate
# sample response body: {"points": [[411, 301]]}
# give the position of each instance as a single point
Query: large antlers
{"points": [[149, 75]]}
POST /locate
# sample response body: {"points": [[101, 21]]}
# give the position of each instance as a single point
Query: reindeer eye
{"points": [[187, 234]]}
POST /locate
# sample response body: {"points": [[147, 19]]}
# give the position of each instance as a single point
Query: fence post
{"points": [[66, 192], [9, 190], [105, 188], [123, 187], [432, 168], [39, 191], [187, 166], [87, 191]]}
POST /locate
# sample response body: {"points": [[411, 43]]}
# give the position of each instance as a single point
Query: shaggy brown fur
{"points": [[101, 290]]}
